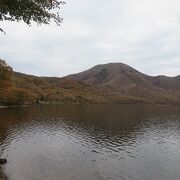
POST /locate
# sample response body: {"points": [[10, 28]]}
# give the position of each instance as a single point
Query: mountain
{"points": [[19, 89], [108, 83], [123, 80], [27, 89], [113, 75]]}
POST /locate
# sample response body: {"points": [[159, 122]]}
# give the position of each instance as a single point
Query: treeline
{"points": [[10, 94], [5, 70], [19, 89]]}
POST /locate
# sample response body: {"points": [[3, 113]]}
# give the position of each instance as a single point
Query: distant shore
{"points": [[1, 107], [4, 107], [53, 103]]}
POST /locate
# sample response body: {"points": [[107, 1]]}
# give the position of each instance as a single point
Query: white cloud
{"points": [[144, 34]]}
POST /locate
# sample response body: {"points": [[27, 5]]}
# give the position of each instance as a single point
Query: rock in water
{"points": [[3, 161]]}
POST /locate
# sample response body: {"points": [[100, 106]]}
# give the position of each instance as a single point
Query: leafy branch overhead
{"points": [[39, 11]]}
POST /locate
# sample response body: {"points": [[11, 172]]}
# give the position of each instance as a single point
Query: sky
{"points": [[144, 34]]}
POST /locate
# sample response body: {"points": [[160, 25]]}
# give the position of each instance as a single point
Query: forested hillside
{"points": [[110, 83], [19, 89]]}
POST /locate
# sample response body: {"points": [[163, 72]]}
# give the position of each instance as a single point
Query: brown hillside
{"points": [[109, 83], [122, 79]]}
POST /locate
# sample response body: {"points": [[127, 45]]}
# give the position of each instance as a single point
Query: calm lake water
{"points": [[90, 142]]}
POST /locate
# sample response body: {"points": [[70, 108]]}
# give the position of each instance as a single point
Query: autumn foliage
{"points": [[9, 93], [20, 89], [5, 70]]}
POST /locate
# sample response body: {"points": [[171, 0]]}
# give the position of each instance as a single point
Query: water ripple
{"points": [[90, 142]]}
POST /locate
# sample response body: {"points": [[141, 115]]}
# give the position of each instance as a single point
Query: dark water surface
{"points": [[90, 142]]}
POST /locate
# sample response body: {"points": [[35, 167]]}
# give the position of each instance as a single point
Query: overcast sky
{"points": [[144, 34]]}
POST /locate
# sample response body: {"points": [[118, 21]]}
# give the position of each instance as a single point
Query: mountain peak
{"points": [[104, 83], [125, 80], [111, 74]]}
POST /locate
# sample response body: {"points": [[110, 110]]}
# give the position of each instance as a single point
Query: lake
{"points": [[90, 142]]}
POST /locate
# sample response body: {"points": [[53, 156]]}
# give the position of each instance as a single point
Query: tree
{"points": [[5, 70], [39, 11]]}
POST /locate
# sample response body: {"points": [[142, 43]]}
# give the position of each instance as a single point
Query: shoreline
{"points": [[2, 107], [52, 103]]}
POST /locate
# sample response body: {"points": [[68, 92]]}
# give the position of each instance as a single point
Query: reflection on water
{"points": [[90, 142]]}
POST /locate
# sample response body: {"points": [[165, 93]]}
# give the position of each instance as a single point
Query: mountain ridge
{"points": [[100, 72], [105, 83], [126, 80]]}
